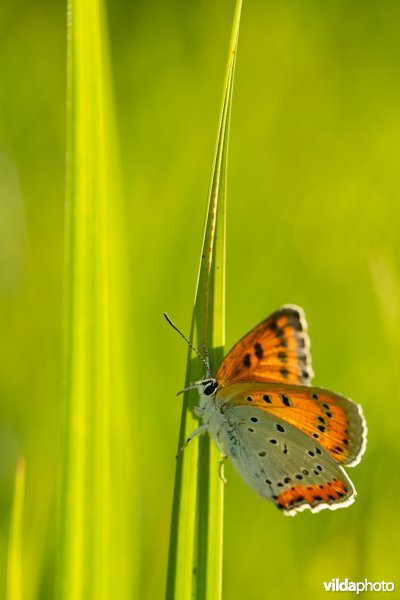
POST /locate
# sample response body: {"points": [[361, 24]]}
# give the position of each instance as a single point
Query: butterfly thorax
{"points": [[210, 410]]}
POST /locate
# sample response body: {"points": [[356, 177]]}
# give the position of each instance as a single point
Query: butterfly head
{"points": [[208, 387]]}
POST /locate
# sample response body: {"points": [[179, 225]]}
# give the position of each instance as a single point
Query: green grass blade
{"points": [[15, 543], [195, 564], [210, 529], [94, 548]]}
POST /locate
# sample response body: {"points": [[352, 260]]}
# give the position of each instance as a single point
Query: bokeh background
{"points": [[313, 219]]}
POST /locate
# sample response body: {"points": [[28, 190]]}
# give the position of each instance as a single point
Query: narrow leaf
{"points": [[97, 555], [15, 543], [195, 561]]}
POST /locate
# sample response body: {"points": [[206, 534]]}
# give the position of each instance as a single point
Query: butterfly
{"points": [[288, 440]]}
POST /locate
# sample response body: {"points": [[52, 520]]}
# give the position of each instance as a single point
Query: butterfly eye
{"points": [[210, 388]]}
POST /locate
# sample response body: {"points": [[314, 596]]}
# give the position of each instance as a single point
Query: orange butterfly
{"points": [[289, 441]]}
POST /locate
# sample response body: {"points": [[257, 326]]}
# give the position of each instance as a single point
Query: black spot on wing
{"points": [[247, 360], [258, 351]]}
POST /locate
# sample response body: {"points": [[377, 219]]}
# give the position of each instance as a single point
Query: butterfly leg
{"points": [[222, 461], [198, 411], [194, 433], [221, 469], [194, 385]]}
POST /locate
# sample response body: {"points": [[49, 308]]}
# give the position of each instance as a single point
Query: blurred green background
{"points": [[313, 219]]}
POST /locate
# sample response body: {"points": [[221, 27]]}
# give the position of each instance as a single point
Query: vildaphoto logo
{"points": [[336, 585]]}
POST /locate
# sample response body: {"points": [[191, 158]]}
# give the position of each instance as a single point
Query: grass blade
{"points": [[94, 547], [210, 528], [195, 565], [14, 562]]}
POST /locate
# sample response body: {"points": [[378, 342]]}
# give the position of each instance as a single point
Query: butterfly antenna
{"points": [[187, 341]]}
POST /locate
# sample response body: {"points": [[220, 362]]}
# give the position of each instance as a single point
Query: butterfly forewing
{"points": [[331, 420], [282, 463], [278, 350]]}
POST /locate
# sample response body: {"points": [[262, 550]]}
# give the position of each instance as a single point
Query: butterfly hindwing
{"points": [[278, 350], [328, 419], [282, 463]]}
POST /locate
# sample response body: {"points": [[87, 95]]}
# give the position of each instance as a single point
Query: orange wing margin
{"points": [[277, 350]]}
